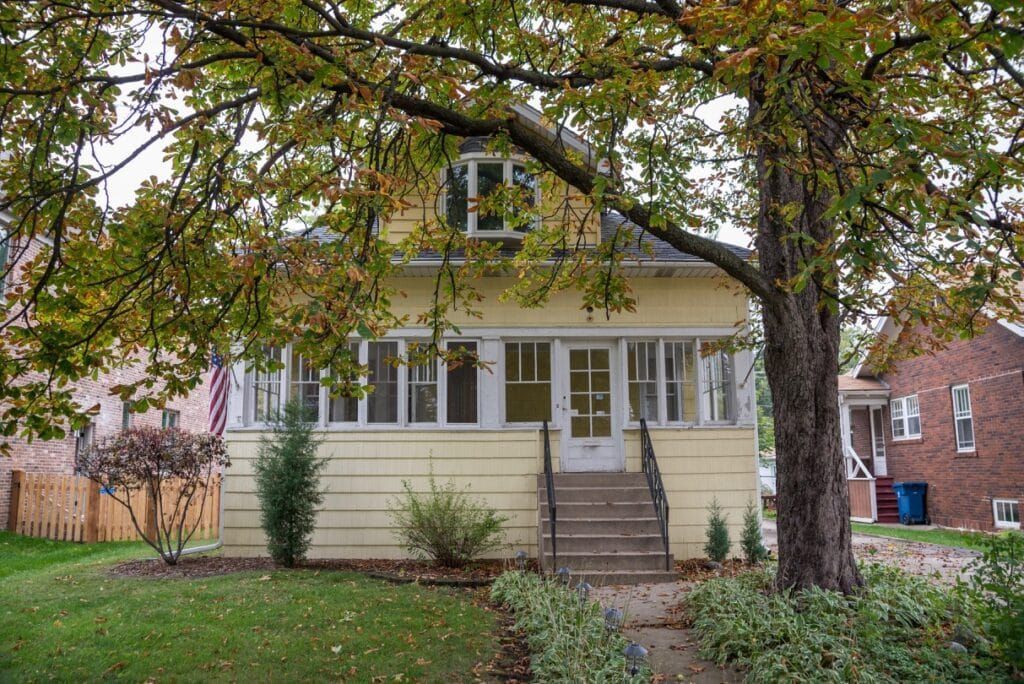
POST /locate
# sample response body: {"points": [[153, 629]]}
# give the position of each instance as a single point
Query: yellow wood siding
{"points": [[676, 302], [366, 470]]}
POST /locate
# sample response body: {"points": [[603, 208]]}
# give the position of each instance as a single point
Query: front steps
{"points": [[885, 501], [607, 529]]}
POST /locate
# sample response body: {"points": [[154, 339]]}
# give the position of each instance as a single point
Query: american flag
{"points": [[218, 394]]}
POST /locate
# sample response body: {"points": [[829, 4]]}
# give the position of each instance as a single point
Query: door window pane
{"points": [[527, 382], [304, 386], [642, 369], [590, 405], [680, 382], [267, 388], [382, 374], [462, 388], [718, 379], [489, 177], [342, 409]]}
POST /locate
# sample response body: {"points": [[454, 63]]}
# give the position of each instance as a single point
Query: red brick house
{"points": [[58, 456], [953, 418]]}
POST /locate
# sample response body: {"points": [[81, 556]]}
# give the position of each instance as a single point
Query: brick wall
{"points": [[59, 455], [961, 486]]}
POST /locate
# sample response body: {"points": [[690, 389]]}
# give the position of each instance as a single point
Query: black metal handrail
{"points": [[549, 482], [657, 487]]}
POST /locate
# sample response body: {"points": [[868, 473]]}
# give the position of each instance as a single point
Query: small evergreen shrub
{"points": [[753, 549], [445, 524], [897, 629], [996, 592], [567, 638], [717, 546], [288, 485]]}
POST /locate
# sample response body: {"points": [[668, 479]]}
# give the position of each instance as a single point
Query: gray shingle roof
{"points": [[641, 246]]}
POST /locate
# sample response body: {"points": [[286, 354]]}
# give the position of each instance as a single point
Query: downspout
{"points": [[220, 528]]}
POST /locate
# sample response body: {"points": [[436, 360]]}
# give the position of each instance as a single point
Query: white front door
{"points": [[591, 430], [878, 444]]}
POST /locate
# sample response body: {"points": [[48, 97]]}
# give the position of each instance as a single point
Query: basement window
{"points": [[1006, 513]]}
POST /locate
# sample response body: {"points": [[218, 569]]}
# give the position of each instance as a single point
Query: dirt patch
{"points": [[511, 664], [475, 574], [700, 569]]}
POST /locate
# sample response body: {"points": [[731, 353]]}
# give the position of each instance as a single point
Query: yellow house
{"points": [[641, 429]]}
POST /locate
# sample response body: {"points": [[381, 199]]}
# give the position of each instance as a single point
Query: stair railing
{"points": [[549, 482], [657, 487]]}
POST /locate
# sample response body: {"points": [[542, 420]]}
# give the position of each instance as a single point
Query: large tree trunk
{"points": [[802, 365]]}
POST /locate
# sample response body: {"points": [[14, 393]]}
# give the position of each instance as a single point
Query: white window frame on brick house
{"points": [[127, 415], [5, 253], [900, 416], [963, 419], [1003, 512], [170, 418]]}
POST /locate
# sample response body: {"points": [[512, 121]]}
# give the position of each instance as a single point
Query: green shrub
{"points": [[445, 524], [567, 638], [718, 544], [997, 594], [897, 629], [753, 549], [288, 485]]}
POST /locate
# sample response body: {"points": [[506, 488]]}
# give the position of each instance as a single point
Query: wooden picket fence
{"points": [[74, 508]]}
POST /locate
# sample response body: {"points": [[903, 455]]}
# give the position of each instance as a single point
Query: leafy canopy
{"points": [[274, 115]]}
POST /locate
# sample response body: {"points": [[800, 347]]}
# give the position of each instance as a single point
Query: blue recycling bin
{"points": [[910, 500]]}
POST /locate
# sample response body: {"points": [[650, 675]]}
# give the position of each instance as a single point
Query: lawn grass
{"points": [[62, 617], [954, 538]]}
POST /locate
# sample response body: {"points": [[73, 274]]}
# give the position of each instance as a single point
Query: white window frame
{"points": [[5, 256], [442, 384], [470, 161], [170, 413], [962, 447], [326, 403], [127, 415], [659, 381], [904, 418], [438, 372], [1005, 524], [552, 381]]}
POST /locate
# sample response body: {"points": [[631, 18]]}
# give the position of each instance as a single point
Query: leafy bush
{"points": [[445, 524], [753, 549], [134, 465], [718, 544], [997, 594], [567, 638], [288, 485], [897, 629]]}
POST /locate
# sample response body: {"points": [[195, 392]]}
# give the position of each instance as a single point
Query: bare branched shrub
{"points": [[134, 466]]}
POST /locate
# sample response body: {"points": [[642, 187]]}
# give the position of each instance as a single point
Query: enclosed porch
{"points": [[862, 403]]}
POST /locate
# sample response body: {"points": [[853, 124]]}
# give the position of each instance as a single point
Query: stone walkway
{"points": [[653, 611]]}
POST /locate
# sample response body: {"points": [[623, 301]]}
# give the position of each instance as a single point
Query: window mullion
{"points": [[698, 360], [442, 388], [471, 193], [362, 409]]}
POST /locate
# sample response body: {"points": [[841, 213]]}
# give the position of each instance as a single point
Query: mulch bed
{"points": [[478, 574], [699, 569]]}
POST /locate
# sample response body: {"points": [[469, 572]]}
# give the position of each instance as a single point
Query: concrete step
{"points": [[595, 480], [574, 510], [596, 494], [630, 577], [584, 562], [609, 526], [606, 543]]}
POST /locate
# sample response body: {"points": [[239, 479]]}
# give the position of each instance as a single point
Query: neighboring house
{"points": [[953, 418], [768, 472], [58, 456], [591, 378]]}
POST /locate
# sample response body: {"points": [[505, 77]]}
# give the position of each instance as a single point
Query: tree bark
{"points": [[802, 365]]}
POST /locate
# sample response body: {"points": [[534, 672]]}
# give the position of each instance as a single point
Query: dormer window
{"points": [[479, 177]]}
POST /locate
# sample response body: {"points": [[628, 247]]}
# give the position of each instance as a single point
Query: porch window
{"points": [[479, 178], [963, 418], [382, 403], [680, 382], [461, 388], [304, 386], [346, 409], [267, 387], [642, 369], [906, 417], [718, 381], [422, 387], [1006, 513], [527, 382]]}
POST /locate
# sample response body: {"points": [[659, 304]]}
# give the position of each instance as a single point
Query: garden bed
{"points": [[480, 573]]}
